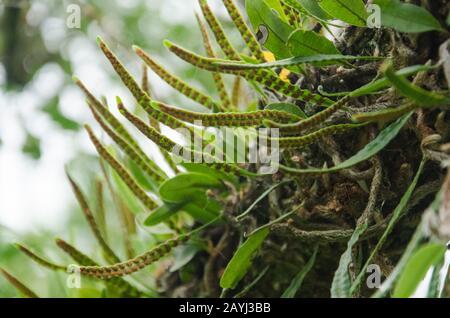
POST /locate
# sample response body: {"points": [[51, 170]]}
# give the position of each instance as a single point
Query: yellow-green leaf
{"points": [[417, 267], [351, 11]]}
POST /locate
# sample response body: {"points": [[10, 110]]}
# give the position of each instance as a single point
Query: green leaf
{"points": [[146, 182], [406, 17], [124, 192], [242, 260], [203, 209], [414, 243], [311, 7], [162, 213], [181, 187], [200, 168], [260, 198], [288, 108], [371, 149], [384, 82], [340, 288], [408, 89], [184, 254], [298, 279], [396, 215], [317, 58], [262, 16], [351, 11], [310, 43], [417, 267], [275, 5]]}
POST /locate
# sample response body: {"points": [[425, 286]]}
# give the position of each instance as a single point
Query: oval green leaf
{"points": [[307, 43], [242, 260], [406, 17], [181, 187]]}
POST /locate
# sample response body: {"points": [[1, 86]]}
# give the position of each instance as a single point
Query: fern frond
{"points": [[262, 76], [135, 264], [230, 119], [312, 121], [236, 91], [91, 220], [148, 202], [27, 292], [169, 145], [218, 31], [218, 80], [141, 162], [38, 259], [142, 98], [125, 288], [247, 35], [303, 141], [178, 84]]}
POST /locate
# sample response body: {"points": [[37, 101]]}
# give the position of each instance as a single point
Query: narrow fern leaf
{"points": [[408, 89], [262, 76], [38, 259], [144, 81], [340, 287], [396, 215], [385, 115], [141, 162], [218, 80], [298, 279], [371, 149], [125, 288], [218, 31], [303, 141], [292, 61], [147, 201], [230, 119], [135, 264], [312, 121], [24, 290], [177, 83], [236, 92], [247, 35], [170, 146], [91, 220], [142, 98]]}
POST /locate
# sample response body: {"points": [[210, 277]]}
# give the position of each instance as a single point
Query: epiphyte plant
{"points": [[341, 98]]}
